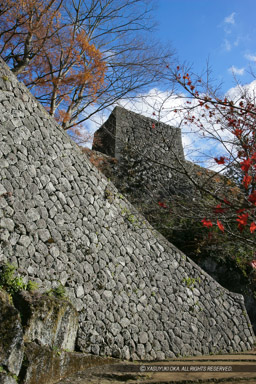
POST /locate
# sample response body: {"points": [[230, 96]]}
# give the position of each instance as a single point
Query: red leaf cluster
{"points": [[220, 160], [242, 221], [207, 223], [161, 204], [220, 225]]}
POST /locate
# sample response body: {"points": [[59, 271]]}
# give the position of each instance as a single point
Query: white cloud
{"points": [[230, 19], [236, 71], [227, 45], [237, 41], [250, 57], [236, 92], [159, 105]]}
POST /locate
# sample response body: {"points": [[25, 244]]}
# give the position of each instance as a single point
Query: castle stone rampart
{"points": [[150, 156], [62, 221], [125, 129]]}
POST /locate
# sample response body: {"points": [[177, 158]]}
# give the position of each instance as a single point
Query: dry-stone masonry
{"points": [[62, 221], [125, 129], [149, 158], [145, 150]]}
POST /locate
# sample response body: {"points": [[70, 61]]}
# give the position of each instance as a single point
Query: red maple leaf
{"points": [[219, 209], [252, 228], [242, 221], [252, 197], [247, 181], [206, 223], [221, 160], [237, 132], [245, 165], [161, 204], [220, 225]]}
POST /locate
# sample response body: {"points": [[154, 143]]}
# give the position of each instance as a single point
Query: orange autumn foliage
{"points": [[54, 58], [25, 26], [67, 67]]}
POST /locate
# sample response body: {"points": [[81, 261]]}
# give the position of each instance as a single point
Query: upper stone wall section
{"points": [[62, 221], [148, 154], [153, 139]]}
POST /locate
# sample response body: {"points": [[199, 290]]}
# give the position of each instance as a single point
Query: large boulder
{"points": [[48, 324], [47, 320], [11, 337]]}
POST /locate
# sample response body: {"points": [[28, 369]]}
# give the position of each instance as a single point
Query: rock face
{"points": [[47, 320], [47, 325], [62, 221], [11, 337]]}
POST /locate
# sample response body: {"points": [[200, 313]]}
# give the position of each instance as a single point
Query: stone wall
{"points": [[62, 221], [149, 162], [149, 154], [125, 129]]}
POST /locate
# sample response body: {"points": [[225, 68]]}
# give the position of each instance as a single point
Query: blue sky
{"points": [[223, 31]]}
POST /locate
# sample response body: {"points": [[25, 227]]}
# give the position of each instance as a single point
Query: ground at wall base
{"points": [[113, 375]]}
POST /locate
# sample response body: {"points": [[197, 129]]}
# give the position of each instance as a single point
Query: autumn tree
{"points": [[222, 198], [25, 27], [230, 122], [79, 57], [221, 216], [61, 78]]}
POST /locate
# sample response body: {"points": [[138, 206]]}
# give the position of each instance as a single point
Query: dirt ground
{"points": [[225, 369]]}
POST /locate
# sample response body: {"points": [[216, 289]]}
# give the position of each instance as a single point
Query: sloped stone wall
{"points": [[62, 221]]}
